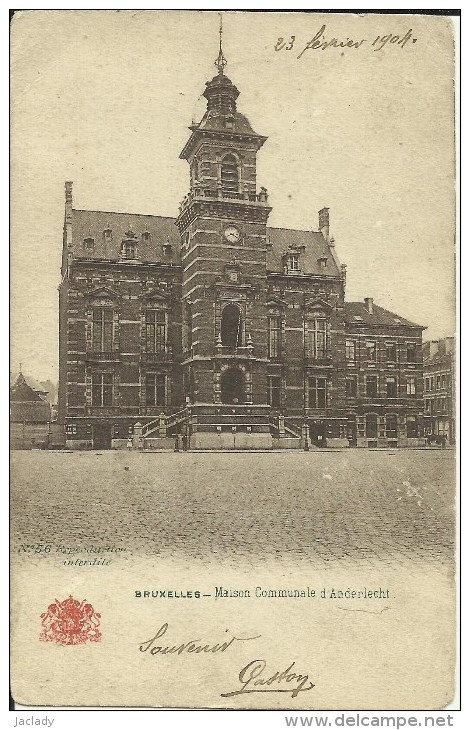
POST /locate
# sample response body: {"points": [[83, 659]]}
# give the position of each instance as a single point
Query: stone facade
{"points": [[218, 327], [439, 388]]}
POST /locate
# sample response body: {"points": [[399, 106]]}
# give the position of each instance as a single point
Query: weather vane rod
{"points": [[221, 61]]}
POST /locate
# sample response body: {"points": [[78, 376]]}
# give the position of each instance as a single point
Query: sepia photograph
{"points": [[233, 360]]}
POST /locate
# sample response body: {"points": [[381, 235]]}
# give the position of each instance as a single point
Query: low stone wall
{"points": [[77, 444], [401, 443], [231, 441], [36, 435], [287, 443], [337, 443], [162, 444]]}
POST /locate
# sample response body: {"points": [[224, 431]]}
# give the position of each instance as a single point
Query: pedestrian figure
{"points": [[129, 443], [184, 440], [443, 441], [177, 442]]}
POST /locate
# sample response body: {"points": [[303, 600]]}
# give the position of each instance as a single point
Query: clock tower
{"points": [[222, 224]]}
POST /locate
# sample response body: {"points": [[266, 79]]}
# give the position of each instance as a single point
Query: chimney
{"points": [[450, 345], [68, 202], [68, 191], [324, 223], [369, 302], [68, 215], [433, 348]]}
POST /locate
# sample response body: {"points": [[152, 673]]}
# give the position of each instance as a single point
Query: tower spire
{"points": [[220, 61]]}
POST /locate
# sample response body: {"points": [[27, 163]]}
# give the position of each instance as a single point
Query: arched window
{"points": [[231, 326], [229, 173]]}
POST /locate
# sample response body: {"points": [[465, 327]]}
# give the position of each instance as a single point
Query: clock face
{"points": [[232, 234]]}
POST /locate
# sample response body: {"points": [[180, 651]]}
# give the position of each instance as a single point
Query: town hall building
{"points": [[215, 326]]}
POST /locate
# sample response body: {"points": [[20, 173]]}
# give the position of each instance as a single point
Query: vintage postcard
{"points": [[233, 360]]}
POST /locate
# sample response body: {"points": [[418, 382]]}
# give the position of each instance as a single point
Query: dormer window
{"points": [[107, 235], [167, 248], [89, 242], [146, 237], [129, 249], [293, 262], [229, 122], [322, 262], [129, 245]]}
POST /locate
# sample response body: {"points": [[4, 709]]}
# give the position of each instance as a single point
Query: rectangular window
{"points": [[411, 352], [411, 427], [317, 392], [155, 331], [102, 389], [426, 384], [155, 389], [391, 349], [351, 387], [391, 383], [438, 382], [444, 381], [274, 391], [293, 262], [431, 380], [274, 337], [371, 386], [350, 350], [391, 426], [103, 329], [411, 386], [371, 426], [317, 338], [371, 350]]}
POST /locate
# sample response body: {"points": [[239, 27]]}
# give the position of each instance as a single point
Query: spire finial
{"points": [[221, 61]]}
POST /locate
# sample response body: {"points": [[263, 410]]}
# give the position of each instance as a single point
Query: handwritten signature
{"points": [[192, 646], [255, 678]]}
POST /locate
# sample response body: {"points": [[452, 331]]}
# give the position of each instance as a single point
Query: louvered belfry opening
{"points": [[229, 173]]}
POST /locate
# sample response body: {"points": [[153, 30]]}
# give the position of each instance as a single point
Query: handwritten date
{"points": [[322, 42]]}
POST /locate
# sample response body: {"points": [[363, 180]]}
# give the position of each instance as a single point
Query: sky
{"points": [[105, 98]]}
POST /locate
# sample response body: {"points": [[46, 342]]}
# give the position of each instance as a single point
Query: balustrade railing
{"points": [[221, 194]]}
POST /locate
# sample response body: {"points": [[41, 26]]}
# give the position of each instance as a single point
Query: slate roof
{"points": [[21, 391], [215, 121], [357, 313], [92, 223]]}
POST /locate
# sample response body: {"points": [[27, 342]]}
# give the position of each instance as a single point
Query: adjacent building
{"points": [[30, 415], [439, 388], [218, 326]]}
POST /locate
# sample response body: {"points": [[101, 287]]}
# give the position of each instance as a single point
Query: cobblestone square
{"points": [[352, 506]]}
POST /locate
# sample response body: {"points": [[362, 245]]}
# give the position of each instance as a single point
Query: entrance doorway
{"points": [[317, 433], [352, 430], [232, 386], [102, 436]]}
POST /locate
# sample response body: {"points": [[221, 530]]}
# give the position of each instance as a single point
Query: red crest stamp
{"points": [[70, 622]]}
